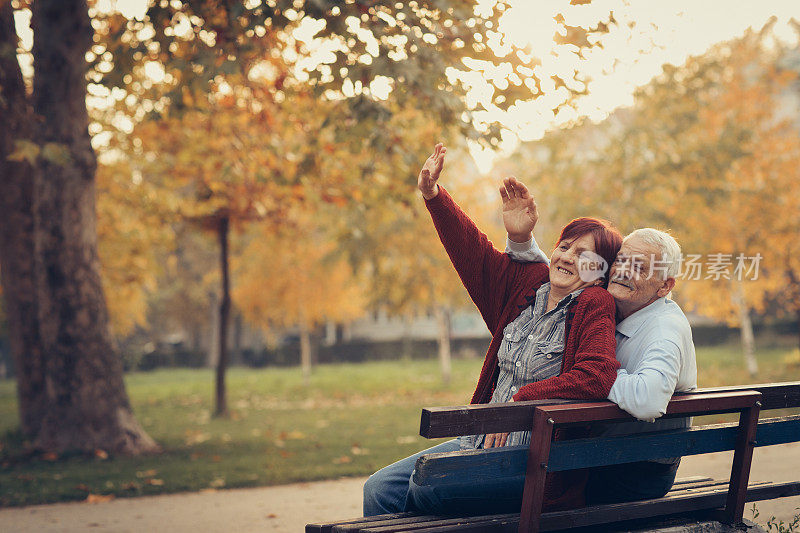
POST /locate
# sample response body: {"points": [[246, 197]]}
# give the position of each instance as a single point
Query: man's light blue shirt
{"points": [[657, 358]]}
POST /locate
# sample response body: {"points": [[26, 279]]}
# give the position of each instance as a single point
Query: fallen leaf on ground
{"points": [[147, 473], [343, 459], [272, 515], [50, 456], [155, 482], [285, 454], [101, 454], [81, 486], [99, 498], [196, 437], [217, 483]]}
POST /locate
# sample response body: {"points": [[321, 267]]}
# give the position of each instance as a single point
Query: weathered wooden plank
{"points": [[773, 395], [506, 524], [518, 416], [679, 405], [479, 419], [468, 465], [742, 459], [691, 479], [408, 520], [536, 471], [670, 504], [327, 527], [457, 523], [617, 512]]}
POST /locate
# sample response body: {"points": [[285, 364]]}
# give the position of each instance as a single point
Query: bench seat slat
{"points": [[402, 520], [467, 465], [327, 527], [455, 523], [671, 504]]}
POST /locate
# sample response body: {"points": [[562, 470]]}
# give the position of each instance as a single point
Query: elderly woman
{"points": [[552, 337]]}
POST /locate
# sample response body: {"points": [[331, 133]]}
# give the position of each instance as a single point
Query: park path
{"points": [[289, 507]]}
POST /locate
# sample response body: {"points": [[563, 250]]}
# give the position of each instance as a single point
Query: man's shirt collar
{"points": [[631, 325]]}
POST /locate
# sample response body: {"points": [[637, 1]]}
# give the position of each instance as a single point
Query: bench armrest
{"points": [[478, 419], [680, 405]]}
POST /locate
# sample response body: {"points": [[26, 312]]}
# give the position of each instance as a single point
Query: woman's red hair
{"points": [[607, 238]]}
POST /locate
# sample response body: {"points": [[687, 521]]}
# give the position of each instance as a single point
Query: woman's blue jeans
{"points": [[392, 490]]}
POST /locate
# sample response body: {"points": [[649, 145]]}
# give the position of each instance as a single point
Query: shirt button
{"points": [[508, 335], [549, 356], [518, 363], [530, 337], [513, 389]]}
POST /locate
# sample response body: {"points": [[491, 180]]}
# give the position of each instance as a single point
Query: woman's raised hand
{"points": [[519, 210], [429, 174]]}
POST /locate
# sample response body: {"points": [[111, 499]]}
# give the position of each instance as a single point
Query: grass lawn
{"points": [[353, 419]]}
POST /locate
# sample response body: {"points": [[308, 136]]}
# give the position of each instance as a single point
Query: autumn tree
{"points": [[223, 163], [387, 234], [18, 231], [70, 381], [132, 240], [292, 276]]}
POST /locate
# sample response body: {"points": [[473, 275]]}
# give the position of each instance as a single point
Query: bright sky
{"points": [[664, 32]]}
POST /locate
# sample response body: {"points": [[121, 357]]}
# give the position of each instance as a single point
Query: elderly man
{"points": [[654, 343]]}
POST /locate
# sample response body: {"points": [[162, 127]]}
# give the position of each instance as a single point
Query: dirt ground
{"points": [[290, 507]]}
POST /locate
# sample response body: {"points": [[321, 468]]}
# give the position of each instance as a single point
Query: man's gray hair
{"points": [[670, 261]]}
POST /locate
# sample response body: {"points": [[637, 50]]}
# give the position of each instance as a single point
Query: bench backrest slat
{"points": [[518, 416], [457, 467]]}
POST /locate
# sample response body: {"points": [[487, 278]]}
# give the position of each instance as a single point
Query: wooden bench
{"points": [[703, 497]]}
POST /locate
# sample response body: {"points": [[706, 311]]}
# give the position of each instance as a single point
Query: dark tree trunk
{"points": [[794, 297], [238, 326], [305, 352], [88, 407], [17, 231], [444, 322], [224, 316]]}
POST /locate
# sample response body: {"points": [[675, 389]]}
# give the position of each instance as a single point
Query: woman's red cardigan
{"points": [[502, 288]]}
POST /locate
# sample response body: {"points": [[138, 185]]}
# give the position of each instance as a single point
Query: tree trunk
{"points": [[224, 317], [798, 327], [88, 407], [212, 357], [794, 296], [745, 328], [238, 331], [305, 352], [443, 321], [17, 232]]}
